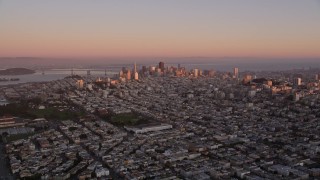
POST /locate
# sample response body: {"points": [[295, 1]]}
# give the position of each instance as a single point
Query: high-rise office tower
{"points": [[128, 74], [136, 74], [135, 67], [144, 69], [297, 81], [236, 72], [161, 66], [121, 74], [196, 72]]}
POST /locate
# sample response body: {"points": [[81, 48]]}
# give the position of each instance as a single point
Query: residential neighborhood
{"points": [[206, 126]]}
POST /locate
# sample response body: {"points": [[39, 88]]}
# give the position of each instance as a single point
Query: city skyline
{"points": [[146, 29]]}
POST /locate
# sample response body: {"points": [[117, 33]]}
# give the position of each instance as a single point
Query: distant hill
{"points": [[16, 71]]}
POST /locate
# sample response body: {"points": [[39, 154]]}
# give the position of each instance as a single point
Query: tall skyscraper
{"points": [[196, 72], [135, 73], [135, 67], [136, 76], [236, 72], [297, 81], [128, 74], [161, 66], [121, 74], [144, 69]]}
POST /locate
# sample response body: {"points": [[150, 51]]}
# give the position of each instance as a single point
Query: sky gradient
{"points": [[163, 28]]}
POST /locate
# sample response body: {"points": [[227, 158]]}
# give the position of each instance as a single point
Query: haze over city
{"points": [[160, 29]]}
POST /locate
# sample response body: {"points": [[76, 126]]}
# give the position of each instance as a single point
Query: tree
{"points": [[72, 128], [83, 136], [5, 134]]}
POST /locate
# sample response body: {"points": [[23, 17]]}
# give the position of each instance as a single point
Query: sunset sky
{"points": [[160, 28]]}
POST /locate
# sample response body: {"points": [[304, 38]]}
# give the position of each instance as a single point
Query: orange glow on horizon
{"points": [[64, 46], [155, 29]]}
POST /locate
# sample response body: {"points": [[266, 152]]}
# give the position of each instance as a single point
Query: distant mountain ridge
{"points": [[16, 71]]}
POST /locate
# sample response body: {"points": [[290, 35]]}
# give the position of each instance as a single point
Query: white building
{"points": [[90, 87], [148, 128], [251, 93], [101, 171], [296, 96], [3, 101]]}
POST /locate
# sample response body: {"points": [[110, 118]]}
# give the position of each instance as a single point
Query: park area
{"points": [[128, 119], [51, 113]]}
